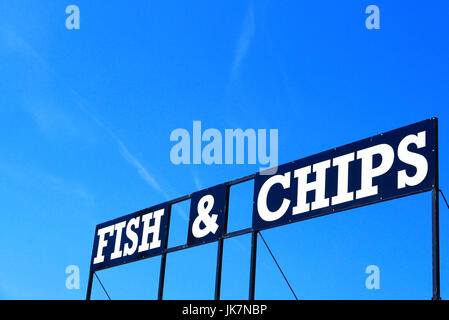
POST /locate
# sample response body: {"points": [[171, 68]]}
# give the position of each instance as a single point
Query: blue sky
{"points": [[86, 116]]}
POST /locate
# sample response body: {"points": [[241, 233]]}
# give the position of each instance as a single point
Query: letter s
{"points": [[414, 159]]}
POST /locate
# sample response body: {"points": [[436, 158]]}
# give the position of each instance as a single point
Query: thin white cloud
{"points": [[50, 120], [148, 178], [197, 182], [182, 214], [142, 171], [246, 35], [17, 44], [41, 180]]}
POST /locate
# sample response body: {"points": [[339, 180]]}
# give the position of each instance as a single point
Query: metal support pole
{"points": [[435, 246], [160, 292], [220, 249], [91, 276], [252, 275], [219, 268], [435, 225], [89, 285]]}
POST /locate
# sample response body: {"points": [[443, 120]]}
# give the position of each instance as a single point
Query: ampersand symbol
{"points": [[204, 207]]}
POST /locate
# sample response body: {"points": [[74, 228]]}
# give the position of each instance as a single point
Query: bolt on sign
{"points": [[390, 165]]}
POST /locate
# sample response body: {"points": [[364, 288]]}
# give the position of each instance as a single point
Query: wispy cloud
{"points": [[16, 43], [37, 179], [197, 182], [46, 120], [182, 214], [243, 44], [51, 120], [142, 171]]}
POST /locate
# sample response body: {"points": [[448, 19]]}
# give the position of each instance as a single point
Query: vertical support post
{"points": [[91, 273], [435, 246], [89, 285], [252, 275], [160, 292], [219, 268], [435, 224], [220, 249]]}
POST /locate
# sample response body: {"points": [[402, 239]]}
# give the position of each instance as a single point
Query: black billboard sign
{"points": [[207, 211], [132, 237], [387, 166]]}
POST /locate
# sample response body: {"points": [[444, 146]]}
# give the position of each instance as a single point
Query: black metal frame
{"points": [[226, 235], [254, 233], [436, 224]]}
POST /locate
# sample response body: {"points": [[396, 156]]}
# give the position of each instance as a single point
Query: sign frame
{"points": [[254, 230]]}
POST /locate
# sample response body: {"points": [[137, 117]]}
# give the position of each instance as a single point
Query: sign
{"points": [[132, 237], [207, 207], [387, 166]]}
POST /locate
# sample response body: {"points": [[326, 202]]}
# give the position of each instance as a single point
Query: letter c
{"points": [[262, 207]]}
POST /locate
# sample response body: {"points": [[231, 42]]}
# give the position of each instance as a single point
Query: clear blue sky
{"points": [[86, 116]]}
